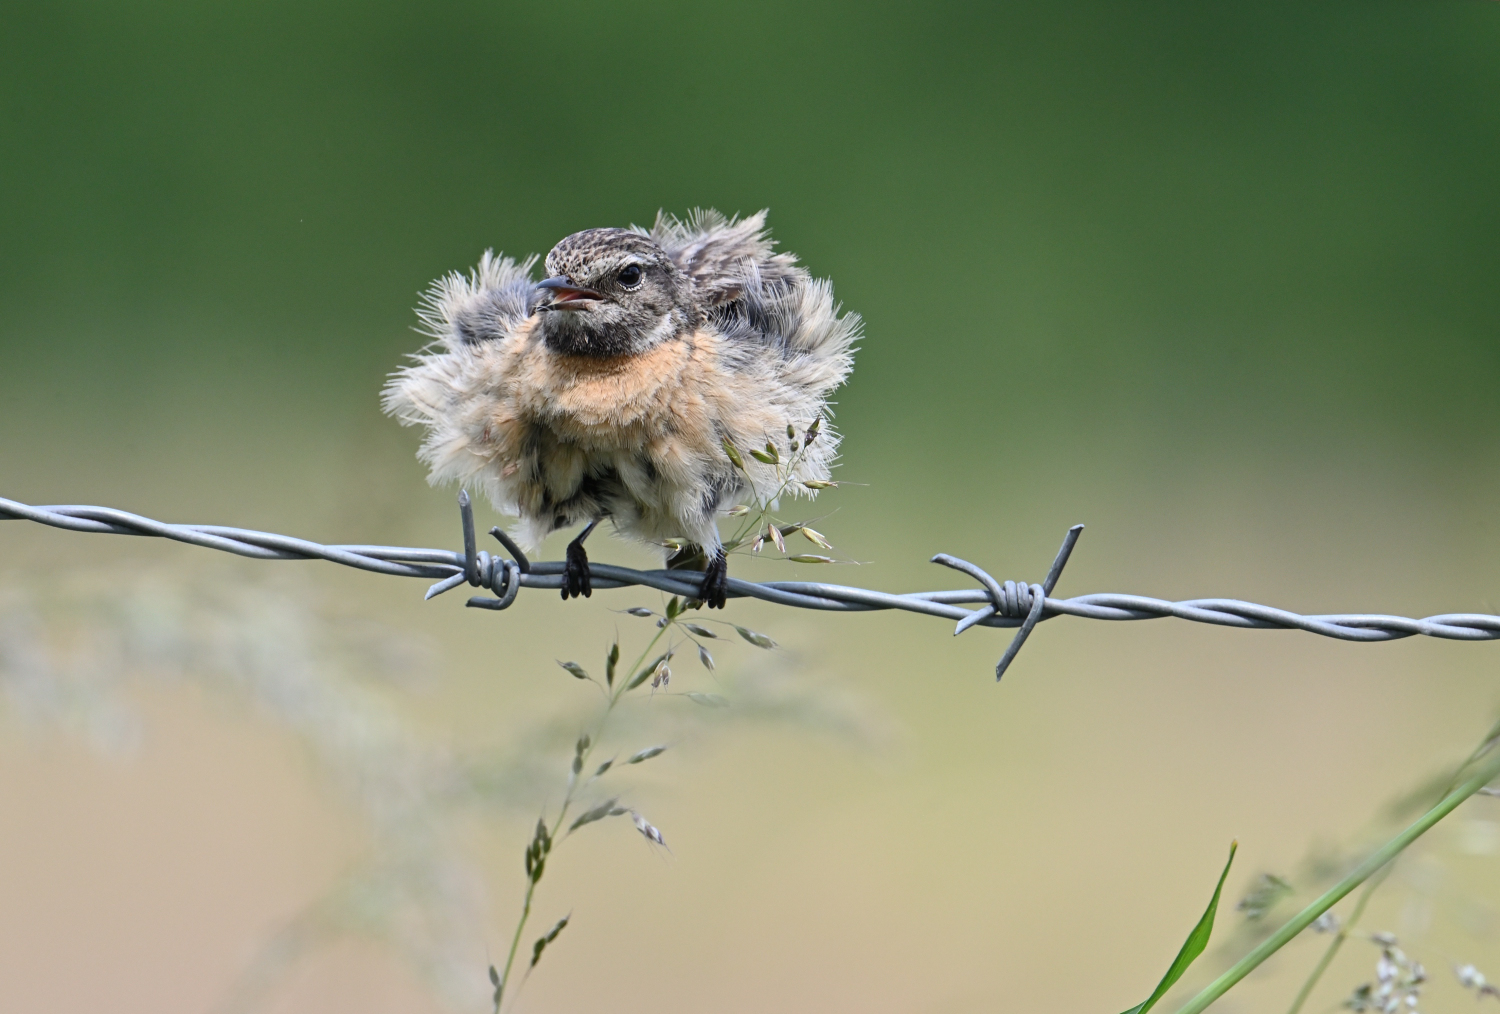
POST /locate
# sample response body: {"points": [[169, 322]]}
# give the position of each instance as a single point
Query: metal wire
{"points": [[1004, 604]]}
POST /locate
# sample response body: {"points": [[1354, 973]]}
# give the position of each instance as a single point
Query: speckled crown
{"points": [[574, 253]]}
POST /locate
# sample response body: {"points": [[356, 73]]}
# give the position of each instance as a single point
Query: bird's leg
{"points": [[716, 580], [576, 582]]}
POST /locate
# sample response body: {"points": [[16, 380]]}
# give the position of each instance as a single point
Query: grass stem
{"points": [[618, 691], [1374, 884], [1338, 939], [1482, 777]]}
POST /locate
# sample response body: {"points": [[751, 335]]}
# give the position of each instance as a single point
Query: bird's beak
{"points": [[566, 295]]}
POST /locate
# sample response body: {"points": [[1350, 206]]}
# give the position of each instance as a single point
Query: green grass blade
{"points": [[1193, 946]]}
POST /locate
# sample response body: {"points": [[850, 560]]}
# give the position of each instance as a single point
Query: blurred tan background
{"points": [[1219, 282]]}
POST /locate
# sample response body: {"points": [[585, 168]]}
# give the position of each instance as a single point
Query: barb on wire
{"points": [[1000, 604]]}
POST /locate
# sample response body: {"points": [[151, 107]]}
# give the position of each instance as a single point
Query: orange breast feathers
{"points": [[670, 395]]}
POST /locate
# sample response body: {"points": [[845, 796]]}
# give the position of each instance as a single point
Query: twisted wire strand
{"points": [[1000, 604]]}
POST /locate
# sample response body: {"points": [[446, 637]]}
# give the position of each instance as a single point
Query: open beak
{"points": [[566, 295]]}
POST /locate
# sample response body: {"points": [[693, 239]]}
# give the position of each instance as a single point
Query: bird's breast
{"points": [[620, 401]]}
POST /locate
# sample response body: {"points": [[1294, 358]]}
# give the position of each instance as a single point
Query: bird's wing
{"points": [[456, 387], [488, 303], [721, 256]]}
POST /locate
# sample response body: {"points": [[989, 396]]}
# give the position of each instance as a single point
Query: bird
{"points": [[652, 377]]}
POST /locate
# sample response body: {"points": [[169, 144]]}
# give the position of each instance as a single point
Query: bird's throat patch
{"points": [[589, 339]]}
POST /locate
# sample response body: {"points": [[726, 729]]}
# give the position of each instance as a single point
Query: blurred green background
{"points": [[1218, 280]]}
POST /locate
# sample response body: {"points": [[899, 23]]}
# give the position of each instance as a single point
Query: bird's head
{"points": [[612, 292]]}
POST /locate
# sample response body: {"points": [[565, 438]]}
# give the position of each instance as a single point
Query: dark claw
{"points": [[576, 580], [716, 581]]}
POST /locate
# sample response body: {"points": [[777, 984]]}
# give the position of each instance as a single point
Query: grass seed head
{"points": [[645, 828], [816, 538], [648, 671], [536, 852], [818, 483], [759, 640], [733, 453], [776, 537], [1472, 978], [739, 510], [578, 671], [810, 558], [1398, 981], [1268, 890], [597, 813], [551, 935], [610, 661], [640, 611], [700, 630], [1328, 922], [646, 754]]}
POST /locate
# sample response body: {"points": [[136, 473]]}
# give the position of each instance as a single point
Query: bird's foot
{"points": [[576, 580], [716, 581]]}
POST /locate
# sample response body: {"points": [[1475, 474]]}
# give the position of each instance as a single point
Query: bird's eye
{"points": [[630, 276]]}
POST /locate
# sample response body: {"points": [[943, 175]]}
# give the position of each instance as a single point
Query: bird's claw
{"points": [[576, 579], [716, 581]]}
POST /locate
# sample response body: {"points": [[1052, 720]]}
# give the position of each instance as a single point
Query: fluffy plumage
{"points": [[613, 398]]}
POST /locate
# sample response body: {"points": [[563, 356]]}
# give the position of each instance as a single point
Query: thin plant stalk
{"points": [[1338, 939], [615, 694], [1338, 891], [1374, 884]]}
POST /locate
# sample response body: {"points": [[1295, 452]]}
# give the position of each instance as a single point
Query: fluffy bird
{"points": [[629, 383]]}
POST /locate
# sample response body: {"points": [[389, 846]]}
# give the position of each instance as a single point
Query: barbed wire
{"points": [[1001, 603]]}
